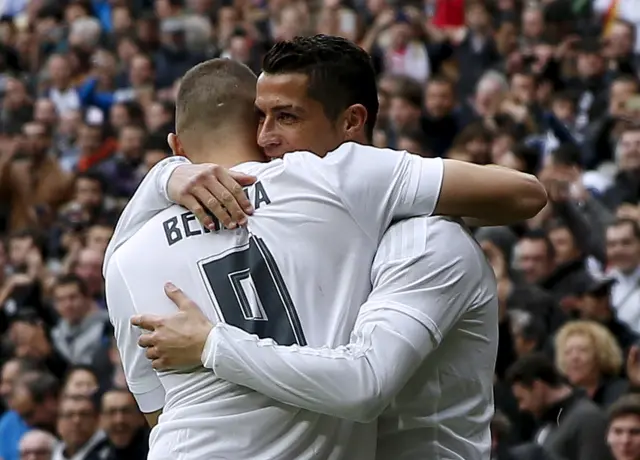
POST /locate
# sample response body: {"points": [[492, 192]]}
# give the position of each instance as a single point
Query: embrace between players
{"points": [[339, 320]]}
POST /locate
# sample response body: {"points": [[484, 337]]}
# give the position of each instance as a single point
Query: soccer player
{"points": [[352, 240]]}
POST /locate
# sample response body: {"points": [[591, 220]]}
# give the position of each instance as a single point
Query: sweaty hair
{"points": [[340, 73], [215, 94]]}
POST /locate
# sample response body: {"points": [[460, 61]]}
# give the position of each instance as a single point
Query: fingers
{"points": [[178, 297], [146, 322]]}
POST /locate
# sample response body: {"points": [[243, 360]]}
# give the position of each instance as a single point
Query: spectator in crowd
{"points": [[124, 425], [81, 380], [571, 426], [37, 445], [588, 355], [623, 433], [79, 428]]}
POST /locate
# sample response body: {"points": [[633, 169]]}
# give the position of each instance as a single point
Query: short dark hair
{"points": [[567, 155], [541, 235], [66, 280], [92, 175], [621, 222], [533, 367], [409, 90], [626, 405], [340, 73], [80, 367], [215, 94], [41, 385]]}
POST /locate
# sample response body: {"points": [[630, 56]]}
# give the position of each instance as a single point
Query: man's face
{"points": [[532, 23], [98, 237], [35, 446], [402, 113], [90, 139], [131, 141], [564, 245], [439, 99], [19, 248], [620, 40], [120, 417], [77, 421], [523, 88], [623, 248], [8, 377], [88, 193], [533, 260], [630, 151], [590, 64], [623, 437], [290, 120], [70, 304], [530, 399], [37, 141]]}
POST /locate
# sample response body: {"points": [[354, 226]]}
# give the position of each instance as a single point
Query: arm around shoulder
{"points": [[493, 194]]}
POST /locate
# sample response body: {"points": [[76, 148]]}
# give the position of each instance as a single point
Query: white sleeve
{"points": [[421, 289], [150, 199], [381, 185], [142, 380]]}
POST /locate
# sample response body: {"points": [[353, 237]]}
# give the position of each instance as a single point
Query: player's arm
{"points": [[212, 185], [419, 293], [142, 380], [382, 185]]}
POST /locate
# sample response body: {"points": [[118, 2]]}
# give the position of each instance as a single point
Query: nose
{"points": [[268, 139]]}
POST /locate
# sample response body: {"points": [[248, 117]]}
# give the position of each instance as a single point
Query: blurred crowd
{"points": [[550, 87]]}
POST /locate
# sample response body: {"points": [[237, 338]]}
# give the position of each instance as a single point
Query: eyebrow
{"points": [[279, 108]]}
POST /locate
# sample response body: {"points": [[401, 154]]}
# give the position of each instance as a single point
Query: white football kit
{"points": [[421, 356], [290, 276]]}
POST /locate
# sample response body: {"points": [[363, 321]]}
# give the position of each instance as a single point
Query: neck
{"points": [[558, 394], [226, 153]]}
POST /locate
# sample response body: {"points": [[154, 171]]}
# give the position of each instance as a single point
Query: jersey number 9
{"points": [[251, 293]]}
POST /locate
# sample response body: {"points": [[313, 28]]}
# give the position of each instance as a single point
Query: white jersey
{"points": [[311, 240], [421, 356]]}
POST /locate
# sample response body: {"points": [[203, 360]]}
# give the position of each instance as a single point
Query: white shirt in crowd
{"points": [[298, 273]]}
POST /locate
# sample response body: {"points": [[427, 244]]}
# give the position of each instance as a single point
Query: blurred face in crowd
{"points": [[629, 151], [89, 139], [523, 88], [564, 245], [141, 71], [410, 145], [590, 64], [15, 94], [595, 307], [35, 414], [70, 303], [98, 236], [620, 40], [564, 110], [580, 361], [121, 19], [501, 146], [478, 19], [8, 377], [292, 22], [533, 260], [121, 418], [127, 49], [59, 71], [290, 120], [119, 116], [77, 422], [36, 445], [80, 382], [439, 99], [37, 139], [401, 34], [511, 161], [89, 268], [403, 113], [532, 23], [488, 97], [19, 248], [619, 93], [480, 150], [531, 399], [623, 436], [623, 248], [157, 116], [88, 193], [240, 48], [130, 141], [29, 340], [45, 112]]}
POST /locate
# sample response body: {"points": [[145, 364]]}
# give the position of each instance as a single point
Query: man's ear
{"points": [[175, 145], [355, 119]]}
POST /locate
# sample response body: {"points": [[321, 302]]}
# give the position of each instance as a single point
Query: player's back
{"points": [[445, 409], [301, 248]]}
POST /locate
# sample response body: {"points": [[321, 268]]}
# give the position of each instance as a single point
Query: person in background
{"points": [[124, 425], [37, 445], [80, 433]]}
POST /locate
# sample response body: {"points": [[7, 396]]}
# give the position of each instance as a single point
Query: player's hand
{"points": [[176, 341], [211, 187]]}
